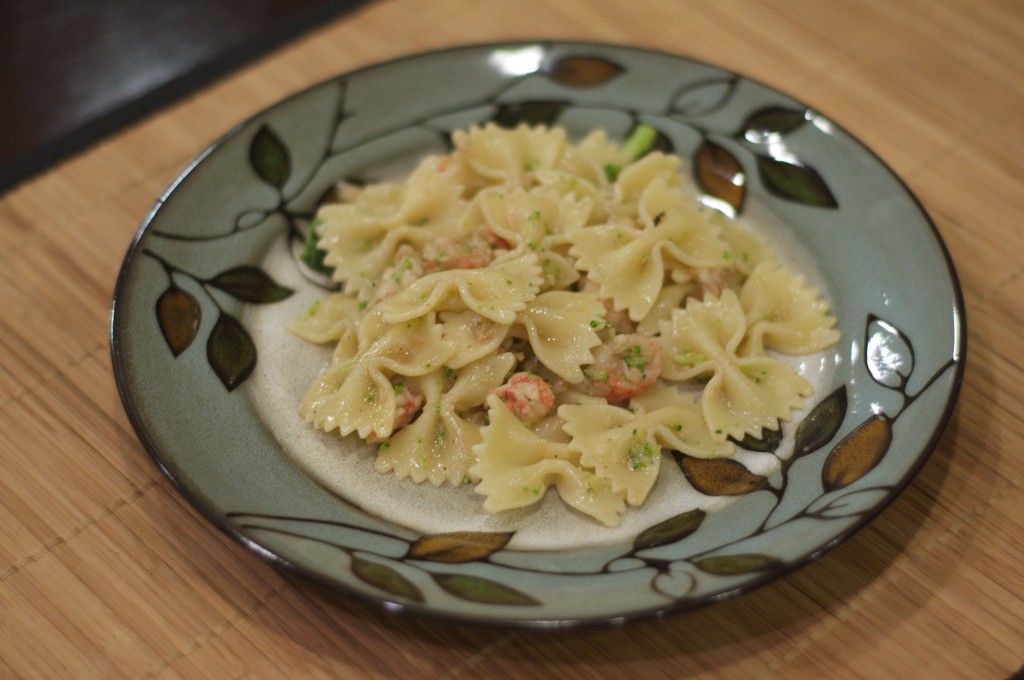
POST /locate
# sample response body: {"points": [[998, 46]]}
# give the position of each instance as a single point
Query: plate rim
{"points": [[122, 370]]}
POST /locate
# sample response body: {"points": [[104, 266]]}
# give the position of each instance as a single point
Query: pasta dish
{"points": [[526, 312]]}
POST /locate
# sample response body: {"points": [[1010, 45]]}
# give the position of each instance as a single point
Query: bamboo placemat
{"points": [[106, 572]]}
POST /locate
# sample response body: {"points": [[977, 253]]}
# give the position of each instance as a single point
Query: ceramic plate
{"points": [[211, 381]]}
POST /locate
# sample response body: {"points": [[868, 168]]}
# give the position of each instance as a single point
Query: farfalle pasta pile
{"points": [[526, 313]]}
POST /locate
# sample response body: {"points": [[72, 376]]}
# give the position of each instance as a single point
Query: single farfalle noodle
{"points": [[356, 395], [508, 157], [743, 394], [784, 314], [516, 466], [496, 292], [630, 259], [625, 445], [561, 328], [437, 446], [360, 239]]}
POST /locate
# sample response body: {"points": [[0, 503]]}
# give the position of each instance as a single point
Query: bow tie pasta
{"points": [[526, 313]]}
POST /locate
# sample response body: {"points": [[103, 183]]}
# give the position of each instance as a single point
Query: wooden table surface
{"points": [[105, 571]]}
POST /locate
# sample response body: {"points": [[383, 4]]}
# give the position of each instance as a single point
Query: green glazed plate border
{"points": [[192, 269]]}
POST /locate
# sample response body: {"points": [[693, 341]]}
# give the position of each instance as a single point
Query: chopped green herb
{"points": [[756, 374], [404, 266], [551, 270], [611, 171], [634, 358], [313, 308], [534, 216], [639, 456], [689, 358]]}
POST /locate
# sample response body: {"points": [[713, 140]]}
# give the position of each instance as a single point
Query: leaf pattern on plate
{"points": [[888, 354], [770, 122], [270, 158], [735, 565], [795, 182], [386, 578], [857, 453], [485, 591], [719, 174], [459, 546], [719, 476], [583, 71], [230, 351], [670, 530], [250, 284], [821, 424], [674, 584], [542, 112], [704, 97], [178, 314]]}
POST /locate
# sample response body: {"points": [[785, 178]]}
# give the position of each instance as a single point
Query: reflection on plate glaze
{"points": [[846, 461]]}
